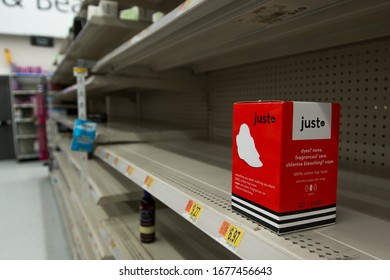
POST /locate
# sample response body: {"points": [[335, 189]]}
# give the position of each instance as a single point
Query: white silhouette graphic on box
{"points": [[246, 147]]}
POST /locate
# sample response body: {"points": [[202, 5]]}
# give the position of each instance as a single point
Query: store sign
{"points": [[51, 18], [42, 41]]}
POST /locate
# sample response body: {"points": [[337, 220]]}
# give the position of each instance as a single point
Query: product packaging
{"points": [[285, 159], [108, 8], [92, 11], [83, 136]]}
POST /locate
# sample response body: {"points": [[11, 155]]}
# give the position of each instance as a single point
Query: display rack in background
{"points": [[29, 114]]}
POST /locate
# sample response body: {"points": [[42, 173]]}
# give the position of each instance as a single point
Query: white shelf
{"points": [[176, 239], [208, 35], [106, 186], [26, 136], [22, 106], [80, 237], [104, 85], [27, 156], [90, 226], [179, 171], [59, 187], [26, 92], [26, 120], [136, 131], [99, 36]]}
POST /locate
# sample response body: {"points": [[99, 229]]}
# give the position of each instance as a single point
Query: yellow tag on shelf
{"points": [[116, 161], [80, 70], [107, 156], [149, 181], [194, 210], [232, 234], [112, 244], [130, 170]]}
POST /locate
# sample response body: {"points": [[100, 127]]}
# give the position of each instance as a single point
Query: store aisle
{"points": [[30, 223]]}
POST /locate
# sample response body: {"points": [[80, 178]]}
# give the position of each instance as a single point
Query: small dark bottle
{"points": [[147, 215]]}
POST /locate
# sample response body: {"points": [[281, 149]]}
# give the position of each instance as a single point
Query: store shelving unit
{"points": [[105, 186], [155, 5], [107, 33], [136, 131], [26, 87], [200, 172], [331, 50], [177, 239], [231, 33], [97, 228], [101, 85]]}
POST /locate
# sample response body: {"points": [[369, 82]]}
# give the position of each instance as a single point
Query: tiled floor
{"points": [[30, 223]]}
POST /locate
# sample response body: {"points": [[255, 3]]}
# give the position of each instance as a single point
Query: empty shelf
{"points": [[136, 131], [178, 172], [175, 239], [210, 35], [106, 185]]}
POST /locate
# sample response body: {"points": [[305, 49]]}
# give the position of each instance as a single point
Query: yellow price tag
{"points": [[149, 181], [80, 70], [232, 234], [116, 161], [195, 211], [130, 170], [112, 244], [107, 156]]}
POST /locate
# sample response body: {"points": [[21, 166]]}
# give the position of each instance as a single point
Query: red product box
{"points": [[285, 159]]}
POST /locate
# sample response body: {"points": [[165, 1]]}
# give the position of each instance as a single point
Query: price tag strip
{"points": [[192, 211], [149, 181], [80, 73], [230, 235]]}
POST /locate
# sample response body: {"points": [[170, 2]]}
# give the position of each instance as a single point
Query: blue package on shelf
{"points": [[84, 133]]}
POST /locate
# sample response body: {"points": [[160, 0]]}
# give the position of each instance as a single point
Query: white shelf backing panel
{"points": [[136, 131], [90, 225], [106, 186], [199, 31], [194, 170], [175, 239], [108, 85], [58, 183], [356, 76]]}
